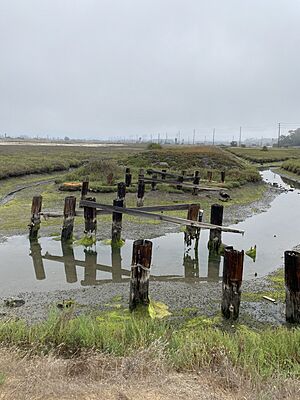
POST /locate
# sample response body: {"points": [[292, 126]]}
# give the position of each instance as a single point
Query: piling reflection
{"points": [[213, 266], [69, 262], [37, 259]]}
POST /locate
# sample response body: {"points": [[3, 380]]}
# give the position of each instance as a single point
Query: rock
{"points": [[12, 302]]}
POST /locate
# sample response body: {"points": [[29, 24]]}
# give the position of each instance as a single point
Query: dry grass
{"points": [[142, 376]]}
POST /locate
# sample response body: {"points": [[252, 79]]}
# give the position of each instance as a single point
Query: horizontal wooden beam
{"points": [[186, 185], [167, 218]]}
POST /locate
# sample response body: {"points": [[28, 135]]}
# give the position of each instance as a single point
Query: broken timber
{"points": [[167, 218]]}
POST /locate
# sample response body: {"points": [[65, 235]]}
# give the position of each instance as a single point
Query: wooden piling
{"points": [[84, 189], [196, 182], [128, 177], [140, 273], [69, 216], [121, 193], [163, 175], [153, 183], [292, 286], [215, 235], [179, 179], [191, 232], [232, 281], [209, 176], [116, 229], [90, 217], [35, 221], [222, 176], [141, 174], [140, 193]]}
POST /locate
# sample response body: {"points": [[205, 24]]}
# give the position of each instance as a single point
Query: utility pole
{"points": [[278, 134], [214, 131], [240, 139], [179, 137], [194, 137]]}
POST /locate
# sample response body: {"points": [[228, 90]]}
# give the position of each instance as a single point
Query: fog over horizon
{"points": [[125, 68]]}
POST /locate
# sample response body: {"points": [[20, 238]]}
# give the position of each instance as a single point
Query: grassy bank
{"points": [[292, 166], [186, 344], [265, 155]]}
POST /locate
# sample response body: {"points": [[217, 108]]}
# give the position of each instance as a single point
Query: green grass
{"points": [[257, 155], [292, 166], [188, 344]]}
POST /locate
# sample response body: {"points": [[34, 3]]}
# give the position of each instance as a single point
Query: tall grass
{"points": [[188, 346], [292, 166]]}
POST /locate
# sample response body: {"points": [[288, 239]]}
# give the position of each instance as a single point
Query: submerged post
{"points": [[292, 286], [128, 177], [35, 221], [116, 229], [90, 218], [190, 231], [140, 273], [215, 235], [232, 281], [69, 215]]}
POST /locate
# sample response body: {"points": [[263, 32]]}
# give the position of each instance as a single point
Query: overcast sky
{"points": [[108, 68]]}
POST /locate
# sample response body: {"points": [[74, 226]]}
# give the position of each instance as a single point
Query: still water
{"points": [[49, 265]]}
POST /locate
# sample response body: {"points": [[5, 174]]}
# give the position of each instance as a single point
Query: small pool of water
{"points": [[49, 265]]}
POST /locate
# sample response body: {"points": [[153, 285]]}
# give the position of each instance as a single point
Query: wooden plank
{"points": [[167, 218], [173, 175]]}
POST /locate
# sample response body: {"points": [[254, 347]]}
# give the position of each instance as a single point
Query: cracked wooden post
{"points": [[116, 229], [69, 216], [232, 281], [69, 262], [222, 176], [128, 177], [215, 235], [35, 221], [153, 183], [84, 189], [121, 193], [209, 176], [140, 273], [90, 218], [292, 286], [37, 259], [196, 181], [163, 175], [191, 232]]}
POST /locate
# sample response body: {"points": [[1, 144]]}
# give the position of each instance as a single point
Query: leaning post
{"points": [[232, 282], [140, 273], [35, 221], [69, 216], [292, 286]]}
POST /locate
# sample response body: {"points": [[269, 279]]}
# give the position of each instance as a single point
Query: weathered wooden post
{"points": [[69, 215], [215, 235], [222, 176], [191, 232], [141, 174], [116, 229], [209, 176], [69, 262], [140, 193], [35, 221], [128, 177], [90, 218], [84, 189], [163, 175], [196, 181], [153, 183], [180, 180], [110, 178], [37, 259], [121, 193], [140, 273], [292, 286], [232, 281]]}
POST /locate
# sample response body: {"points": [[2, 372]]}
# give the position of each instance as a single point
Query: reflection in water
{"points": [[90, 271], [36, 254], [116, 262], [69, 261], [213, 267]]}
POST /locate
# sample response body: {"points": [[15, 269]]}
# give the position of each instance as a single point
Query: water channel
{"points": [[48, 265]]}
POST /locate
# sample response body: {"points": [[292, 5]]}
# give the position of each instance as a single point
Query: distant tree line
{"points": [[292, 139]]}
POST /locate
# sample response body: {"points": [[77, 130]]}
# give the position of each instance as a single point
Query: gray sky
{"points": [[107, 68]]}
